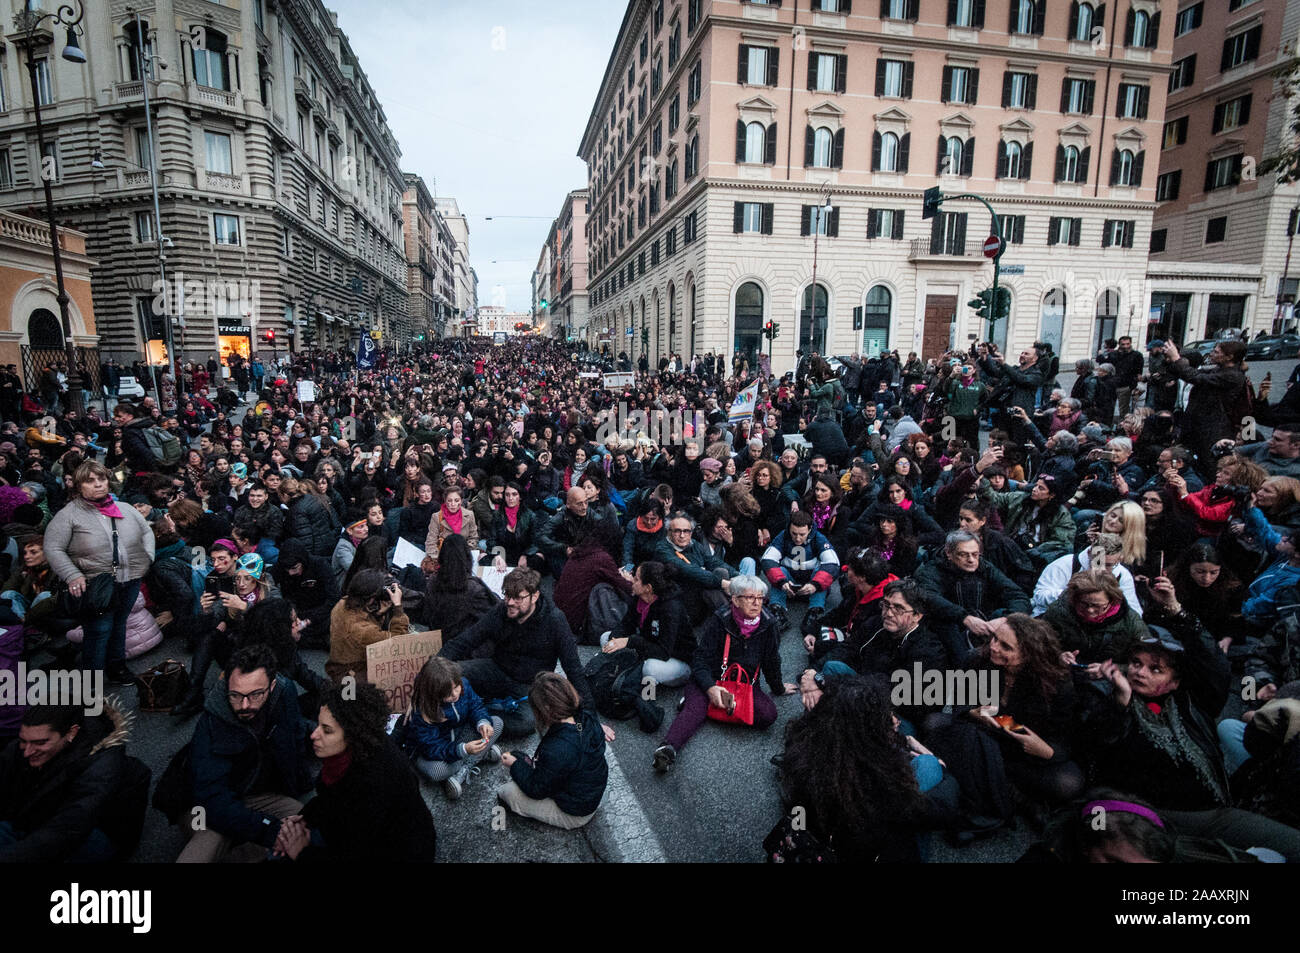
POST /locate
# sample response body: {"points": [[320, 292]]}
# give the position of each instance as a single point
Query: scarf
{"points": [[823, 513], [512, 515], [642, 610], [905, 503], [641, 525], [875, 593], [453, 520], [107, 507], [576, 471], [1162, 728], [1110, 614], [746, 626], [334, 767]]}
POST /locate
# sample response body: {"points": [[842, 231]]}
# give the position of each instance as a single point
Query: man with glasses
{"points": [[700, 573], [527, 635], [964, 592], [249, 766]]}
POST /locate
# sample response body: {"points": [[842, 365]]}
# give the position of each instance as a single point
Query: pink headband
{"points": [[1124, 807]]}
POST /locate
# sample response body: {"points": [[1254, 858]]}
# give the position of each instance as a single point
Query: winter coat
{"points": [[568, 767], [1057, 574], [142, 632], [1019, 512], [374, 814], [691, 567], [54, 809], [1216, 393], [760, 651], [312, 593], [827, 438], [227, 760], [518, 542], [1095, 642], [311, 523], [589, 566], [816, 562], [451, 612], [952, 594], [665, 632], [139, 458], [640, 546], [351, 630], [79, 542], [439, 530], [436, 740]]}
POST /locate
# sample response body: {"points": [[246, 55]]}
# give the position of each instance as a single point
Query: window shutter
{"points": [[875, 152], [1209, 176], [1106, 228], [1128, 27], [833, 223], [904, 147], [977, 18], [1099, 17], [1053, 226], [1060, 164], [1040, 16], [740, 140], [742, 69], [1012, 10], [1252, 43], [1130, 227], [768, 211], [913, 9], [1119, 100], [973, 87], [846, 7], [1144, 100], [857, 318], [837, 151], [884, 9], [952, 12], [1065, 94], [936, 234], [941, 155], [812, 71], [773, 65], [738, 216], [880, 77], [841, 72], [959, 234], [908, 69], [1027, 161], [1006, 89], [1114, 166], [968, 157], [898, 224], [1085, 160], [1002, 160], [1153, 37], [1031, 94], [873, 223], [945, 92], [1139, 161], [1226, 58], [1076, 230], [808, 147], [1089, 88], [1074, 19], [770, 145], [1245, 109], [805, 220]]}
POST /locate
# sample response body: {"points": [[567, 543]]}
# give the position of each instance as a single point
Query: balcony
{"points": [[332, 130], [222, 182], [302, 91], [128, 92], [211, 96], [946, 251]]}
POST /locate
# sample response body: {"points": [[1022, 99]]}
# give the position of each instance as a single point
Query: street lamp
{"points": [[821, 214], [28, 22]]}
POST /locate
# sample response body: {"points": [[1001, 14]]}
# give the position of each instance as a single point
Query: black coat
{"points": [[666, 632], [569, 766], [759, 651], [451, 612], [373, 814], [827, 438], [313, 593], [311, 523]]}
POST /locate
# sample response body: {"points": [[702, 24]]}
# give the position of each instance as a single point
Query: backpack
{"points": [[164, 445], [615, 680]]}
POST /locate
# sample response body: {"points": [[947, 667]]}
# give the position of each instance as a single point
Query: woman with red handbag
{"points": [[738, 640]]}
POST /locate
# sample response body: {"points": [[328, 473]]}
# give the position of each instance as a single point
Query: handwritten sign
{"points": [[391, 665], [615, 381], [307, 392]]}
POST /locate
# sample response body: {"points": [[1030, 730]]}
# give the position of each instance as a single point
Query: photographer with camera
{"points": [[370, 612], [1019, 385], [1218, 398], [1235, 480]]}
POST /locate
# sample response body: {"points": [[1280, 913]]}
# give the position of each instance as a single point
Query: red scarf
{"points": [[333, 768], [642, 610], [1110, 614], [641, 525], [107, 507], [512, 516], [875, 593], [453, 520]]}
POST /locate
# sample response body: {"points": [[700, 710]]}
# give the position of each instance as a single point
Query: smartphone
{"points": [[212, 584]]}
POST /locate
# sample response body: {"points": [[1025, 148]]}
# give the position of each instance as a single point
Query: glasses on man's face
{"points": [[252, 697], [680, 530], [895, 608], [521, 598]]}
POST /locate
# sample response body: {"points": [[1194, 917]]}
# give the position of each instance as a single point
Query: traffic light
{"points": [[982, 303], [930, 202], [1002, 306], [542, 304], [645, 336], [270, 336], [771, 330]]}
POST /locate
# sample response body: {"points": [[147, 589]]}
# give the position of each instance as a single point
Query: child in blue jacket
{"points": [[448, 729]]}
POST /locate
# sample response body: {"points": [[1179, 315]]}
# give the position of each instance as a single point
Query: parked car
{"points": [[128, 386], [1202, 347], [1273, 347]]}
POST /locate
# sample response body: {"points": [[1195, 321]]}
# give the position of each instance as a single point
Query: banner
{"points": [[307, 392], [743, 407], [366, 352], [391, 665], [617, 380]]}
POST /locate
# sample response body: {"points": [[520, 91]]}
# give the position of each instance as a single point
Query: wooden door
{"points": [[940, 310]]}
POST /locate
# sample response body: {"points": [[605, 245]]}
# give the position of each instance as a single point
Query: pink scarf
{"points": [[746, 626], [107, 507], [453, 520], [642, 610]]}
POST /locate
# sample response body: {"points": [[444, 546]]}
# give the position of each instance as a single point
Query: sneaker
{"points": [[456, 784], [665, 755], [492, 755], [681, 703]]}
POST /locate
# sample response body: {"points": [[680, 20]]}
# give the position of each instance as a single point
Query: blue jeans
{"points": [[815, 601], [104, 643], [1231, 734]]}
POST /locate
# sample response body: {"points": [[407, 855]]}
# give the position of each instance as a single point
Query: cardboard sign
{"points": [[391, 665], [623, 379], [307, 392]]}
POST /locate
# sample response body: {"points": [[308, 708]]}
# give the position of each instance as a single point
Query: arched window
{"points": [[748, 335], [823, 147], [876, 315], [953, 154], [1014, 155], [210, 59], [672, 317], [1083, 25], [1141, 28], [1124, 174], [1071, 166], [755, 142], [44, 330], [690, 313], [889, 152], [813, 319]]}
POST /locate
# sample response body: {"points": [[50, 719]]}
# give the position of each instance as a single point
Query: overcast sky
{"points": [[490, 99]]}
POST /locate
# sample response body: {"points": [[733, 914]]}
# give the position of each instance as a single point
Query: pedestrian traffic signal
{"points": [[270, 336], [542, 304], [930, 202], [982, 303], [1002, 305]]}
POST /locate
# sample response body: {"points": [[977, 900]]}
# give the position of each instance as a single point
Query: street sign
{"points": [[992, 246], [1012, 269], [628, 332]]}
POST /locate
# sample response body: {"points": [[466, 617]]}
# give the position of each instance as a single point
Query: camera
{"points": [[1240, 494]]}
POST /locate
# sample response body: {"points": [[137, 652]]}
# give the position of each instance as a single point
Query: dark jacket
{"points": [[521, 650], [952, 594], [827, 438], [139, 458], [436, 740], [665, 633], [691, 567], [1095, 642], [1214, 398], [569, 766], [311, 523], [313, 593], [589, 566], [521, 541], [229, 761], [1020, 386], [759, 651], [373, 814], [451, 612]]}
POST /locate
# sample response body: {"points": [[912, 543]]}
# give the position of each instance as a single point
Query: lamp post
{"points": [[820, 214], [29, 22]]}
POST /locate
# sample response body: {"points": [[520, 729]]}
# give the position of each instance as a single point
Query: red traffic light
{"points": [[270, 335]]}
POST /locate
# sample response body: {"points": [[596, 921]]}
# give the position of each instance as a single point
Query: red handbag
{"points": [[737, 682]]}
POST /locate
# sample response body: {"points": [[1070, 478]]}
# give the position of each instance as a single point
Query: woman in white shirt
{"points": [[1057, 574]]}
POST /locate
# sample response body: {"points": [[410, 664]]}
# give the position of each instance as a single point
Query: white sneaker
{"points": [[492, 755]]}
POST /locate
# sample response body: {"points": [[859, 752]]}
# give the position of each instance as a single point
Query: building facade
{"points": [[493, 319], [464, 278], [544, 285], [568, 312], [735, 148], [430, 258], [1222, 237], [279, 180]]}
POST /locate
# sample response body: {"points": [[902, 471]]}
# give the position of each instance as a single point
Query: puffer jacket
{"points": [[436, 740], [569, 766], [311, 523], [1095, 642], [170, 581], [142, 632]]}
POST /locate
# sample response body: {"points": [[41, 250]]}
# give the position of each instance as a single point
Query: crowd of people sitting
{"points": [[1011, 604]]}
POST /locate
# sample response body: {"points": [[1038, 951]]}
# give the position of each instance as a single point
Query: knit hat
{"points": [[708, 463], [250, 563], [1094, 433]]}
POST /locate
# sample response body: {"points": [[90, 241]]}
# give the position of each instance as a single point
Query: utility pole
{"points": [[930, 205]]}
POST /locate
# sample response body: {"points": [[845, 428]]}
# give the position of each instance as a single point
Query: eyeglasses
{"points": [[257, 696], [748, 598], [685, 529], [896, 608], [1093, 607]]}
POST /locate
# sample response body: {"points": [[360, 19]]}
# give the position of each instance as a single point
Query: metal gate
{"points": [[35, 360]]}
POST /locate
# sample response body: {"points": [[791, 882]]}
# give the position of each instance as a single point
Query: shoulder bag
{"points": [[99, 591], [740, 686]]}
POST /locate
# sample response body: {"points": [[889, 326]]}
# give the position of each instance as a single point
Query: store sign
{"points": [[234, 329]]}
